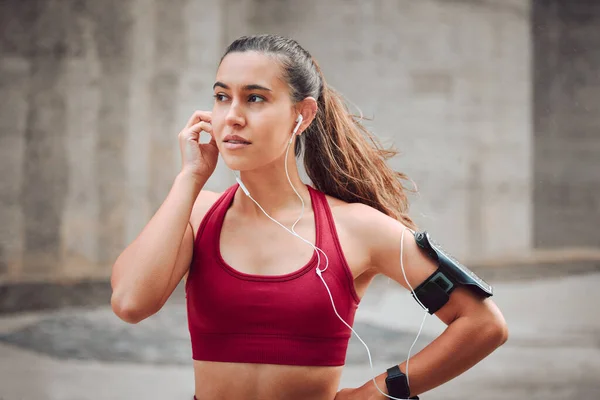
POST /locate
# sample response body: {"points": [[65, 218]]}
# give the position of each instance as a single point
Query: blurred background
{"points": [[494, 105]]}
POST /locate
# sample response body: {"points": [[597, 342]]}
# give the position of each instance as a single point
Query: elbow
{"points": [[128, 310], [497, 332], [495, 326], [126, 303], [502, 333]]}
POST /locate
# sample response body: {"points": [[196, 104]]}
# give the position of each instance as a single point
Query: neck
{"points": [[271, 189]]}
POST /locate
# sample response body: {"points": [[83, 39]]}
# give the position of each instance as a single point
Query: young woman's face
{"points": [[253, 102]]}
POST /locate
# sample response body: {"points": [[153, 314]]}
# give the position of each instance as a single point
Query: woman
{"points": [[261, 320]]}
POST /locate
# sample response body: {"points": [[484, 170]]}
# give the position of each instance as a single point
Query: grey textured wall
{"points": [[567, 121], [93, 94]]}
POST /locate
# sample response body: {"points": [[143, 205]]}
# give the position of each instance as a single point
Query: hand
{"points": [[199, 159]]}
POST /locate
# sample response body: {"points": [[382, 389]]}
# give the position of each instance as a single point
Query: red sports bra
{"points": [[282, 319]]}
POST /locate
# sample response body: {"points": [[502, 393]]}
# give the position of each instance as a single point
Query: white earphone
{"points": [[299, 121], [320, 271]]}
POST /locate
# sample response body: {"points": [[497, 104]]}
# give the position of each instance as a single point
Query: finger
{"points": [[199, 116], [201, 126]]}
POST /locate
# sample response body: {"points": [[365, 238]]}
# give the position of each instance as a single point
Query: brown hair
{"points": [[341, 157]]}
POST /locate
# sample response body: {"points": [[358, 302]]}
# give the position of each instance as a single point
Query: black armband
{"points": [[435, 291]]}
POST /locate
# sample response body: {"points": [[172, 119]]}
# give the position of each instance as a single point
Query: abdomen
{"points": [[218, 380]]}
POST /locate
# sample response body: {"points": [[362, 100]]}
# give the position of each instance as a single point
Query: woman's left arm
{"points": [[475, 326]]}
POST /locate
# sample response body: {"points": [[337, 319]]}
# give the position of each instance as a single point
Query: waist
{"points": [[270, 349], [218, 380]]}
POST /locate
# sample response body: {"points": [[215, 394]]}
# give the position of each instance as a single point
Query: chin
{"points": [[243, 164], [238, 163], [250, 159]]}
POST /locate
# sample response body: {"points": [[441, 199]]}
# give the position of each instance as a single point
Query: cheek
{"points": [[273, 134], [274, 123], [217, 120]]}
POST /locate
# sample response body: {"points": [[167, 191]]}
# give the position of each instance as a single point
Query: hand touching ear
{"points": [[199, 159]]}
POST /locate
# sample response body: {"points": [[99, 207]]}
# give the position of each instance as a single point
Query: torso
{"points": [[217, 380]]}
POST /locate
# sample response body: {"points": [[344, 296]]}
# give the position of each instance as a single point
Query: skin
{"points": [[369, 239]]}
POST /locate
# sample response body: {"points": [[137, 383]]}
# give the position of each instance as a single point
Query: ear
{"points": [[308, 108]]}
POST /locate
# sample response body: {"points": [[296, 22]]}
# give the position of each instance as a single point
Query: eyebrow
{"points": [[245, 88]]}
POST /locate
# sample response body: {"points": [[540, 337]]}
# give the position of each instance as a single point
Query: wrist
{"points": [[191, 180], [370, 390]]}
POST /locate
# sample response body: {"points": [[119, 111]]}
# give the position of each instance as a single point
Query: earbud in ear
{"points": [[299, 121]]}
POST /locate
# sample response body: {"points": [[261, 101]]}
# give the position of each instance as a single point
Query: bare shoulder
{"points": [[391, 245], [205, 200], [357, 226], [363, 219], [341, 210], [378, 234]]}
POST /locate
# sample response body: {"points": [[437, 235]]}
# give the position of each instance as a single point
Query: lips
{"points": [[236, 139], [235, 142]]}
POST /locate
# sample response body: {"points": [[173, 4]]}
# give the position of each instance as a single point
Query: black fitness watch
{"points": [[397, 384]]}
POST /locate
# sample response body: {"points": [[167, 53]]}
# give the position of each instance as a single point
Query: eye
{"points": [[220, 97], [254, 98]]}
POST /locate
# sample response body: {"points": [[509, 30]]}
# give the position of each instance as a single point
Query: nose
{"points": [[235, 116]]}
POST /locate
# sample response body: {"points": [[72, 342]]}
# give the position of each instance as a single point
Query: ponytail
{"points": [[344, 160]]}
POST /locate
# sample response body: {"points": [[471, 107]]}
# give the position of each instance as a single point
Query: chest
{"points": [[265, 248]]}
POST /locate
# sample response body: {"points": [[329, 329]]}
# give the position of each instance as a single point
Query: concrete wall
{"points": [[567, 120], [94, 93]]}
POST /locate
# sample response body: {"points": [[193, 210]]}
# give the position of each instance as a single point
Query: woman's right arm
{"points": [[150, 268]]}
